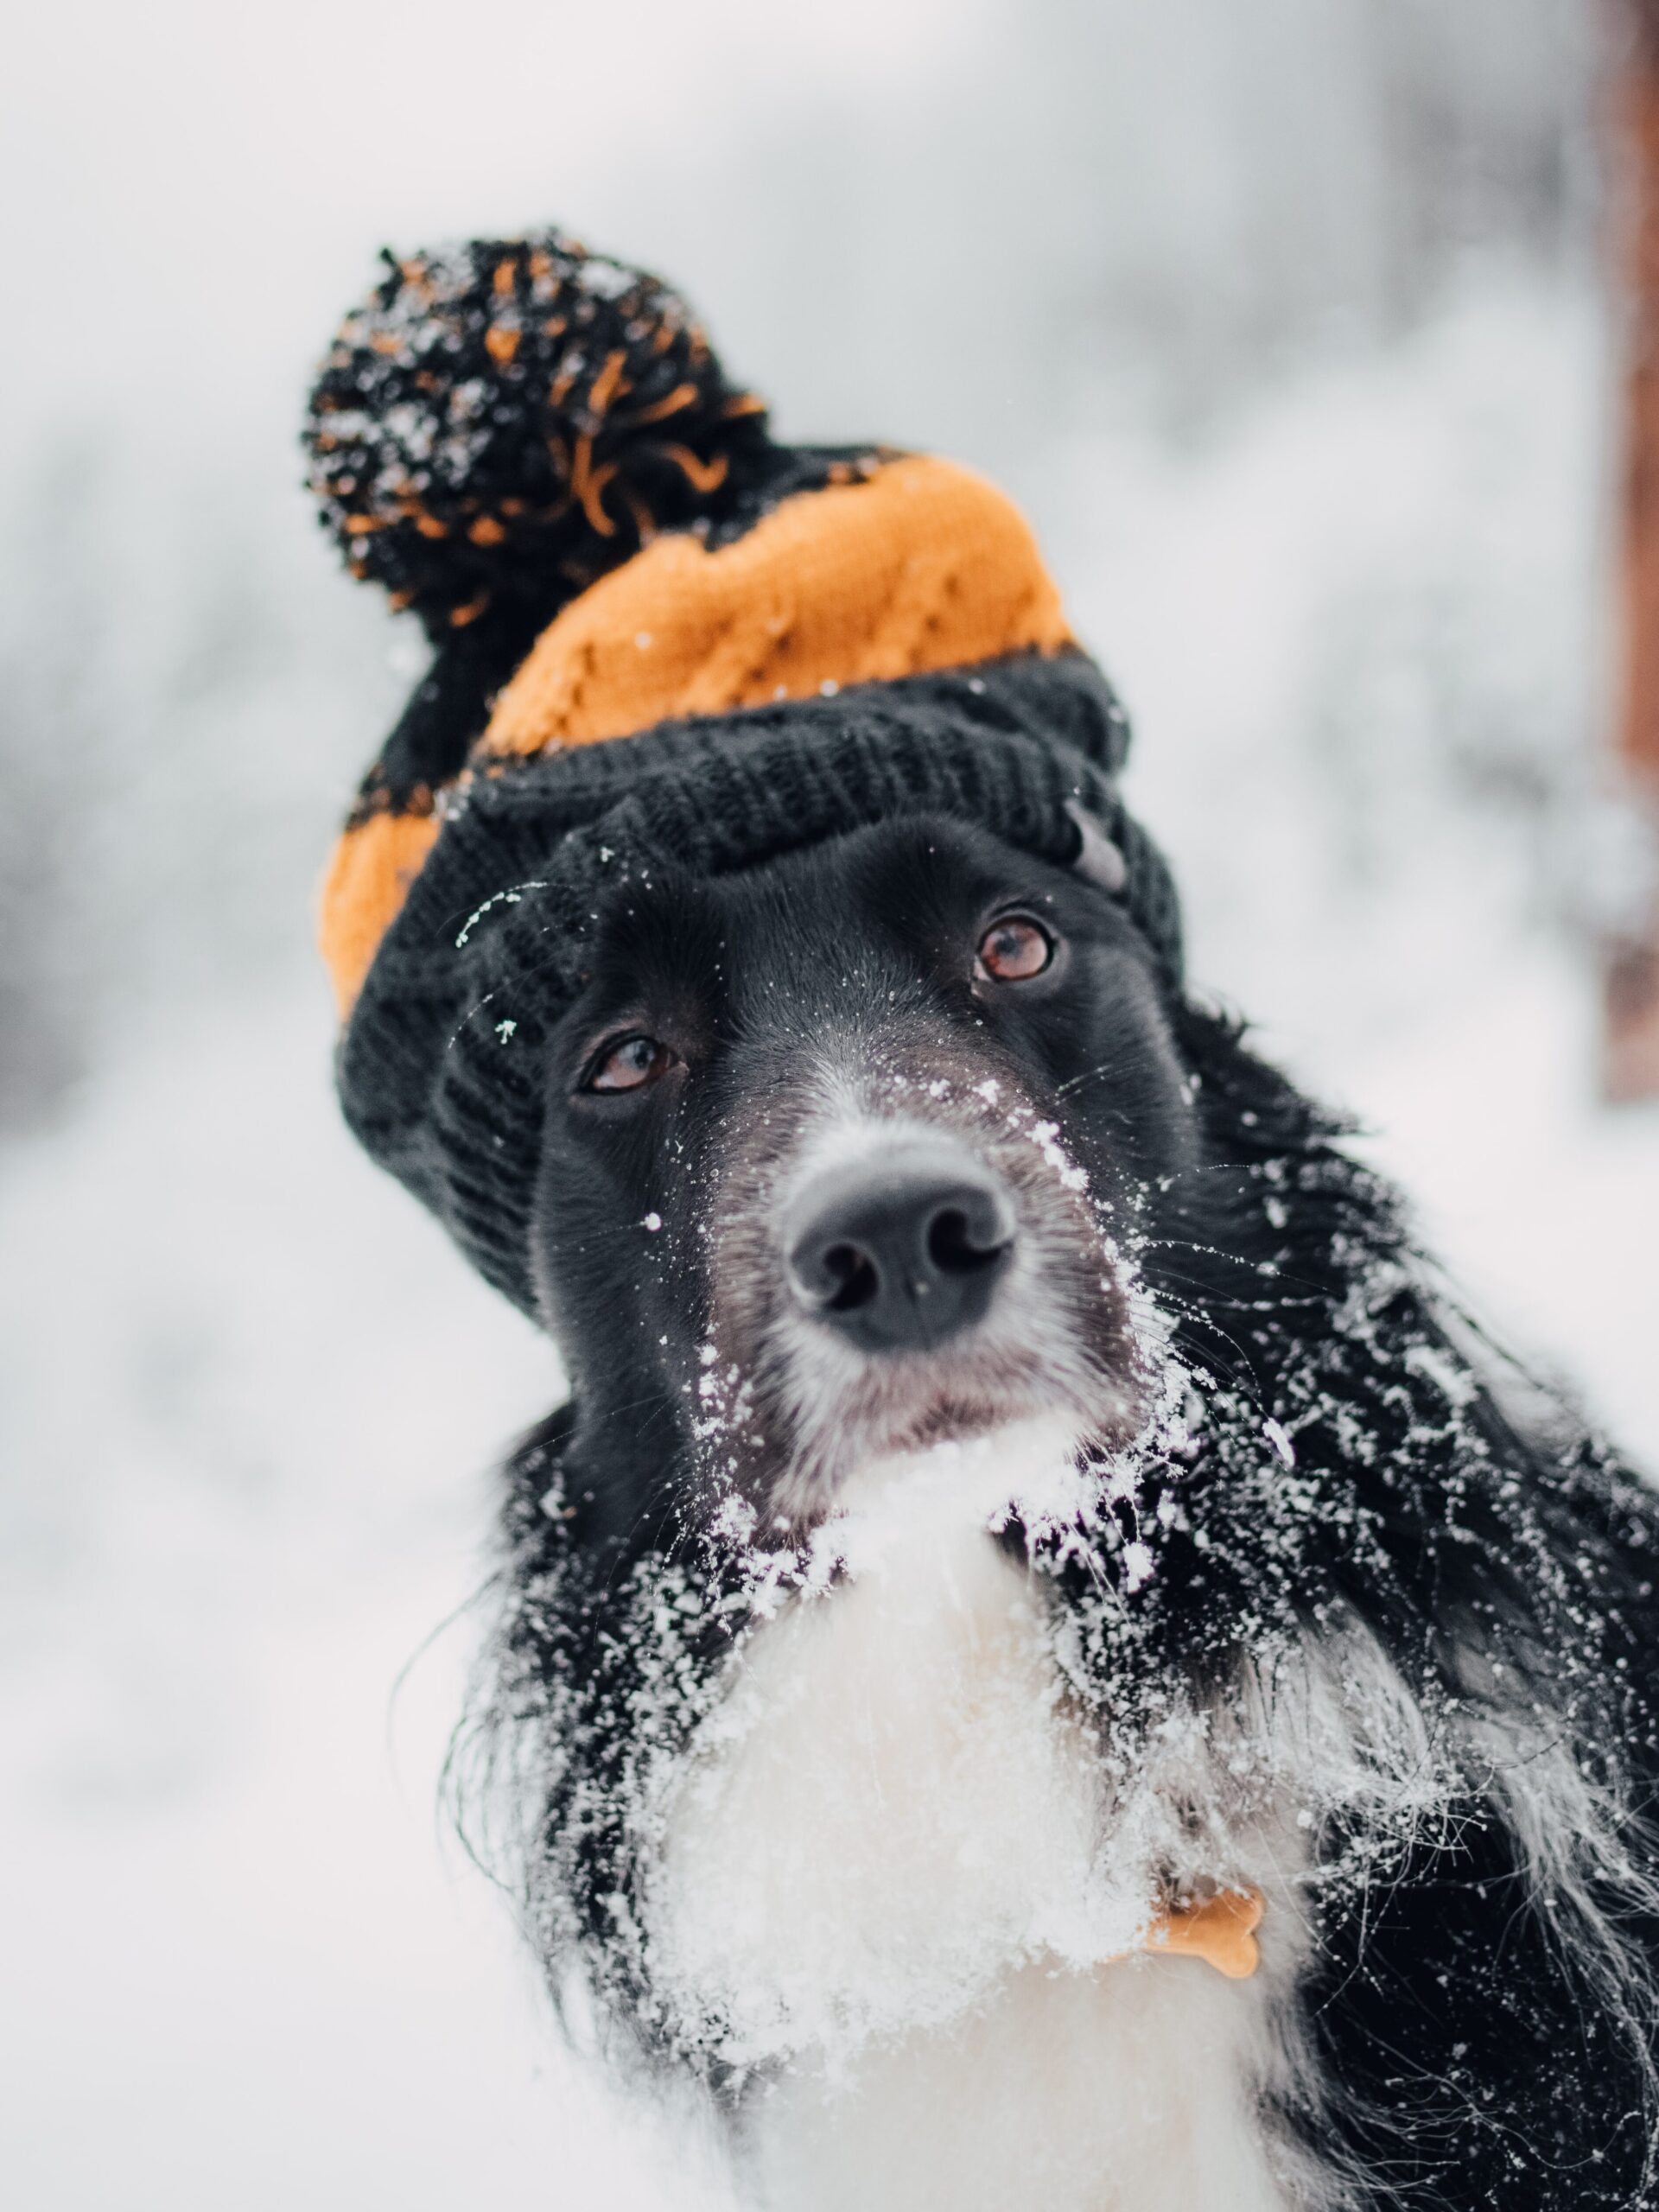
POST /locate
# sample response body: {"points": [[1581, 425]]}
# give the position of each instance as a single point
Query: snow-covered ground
{"points": [[249, 1400]]}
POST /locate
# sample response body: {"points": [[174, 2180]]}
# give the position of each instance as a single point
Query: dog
{"points": [[1045, 1661], [1019, 1477]]}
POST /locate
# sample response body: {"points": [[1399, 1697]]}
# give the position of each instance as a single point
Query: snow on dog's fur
{"points": [[854, 1711], [891, 1865]]}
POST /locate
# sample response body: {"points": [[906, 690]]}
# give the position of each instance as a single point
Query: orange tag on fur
{"points": [[1220, 1929]]}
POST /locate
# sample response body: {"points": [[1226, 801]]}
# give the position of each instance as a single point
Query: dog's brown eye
{"points": [[1013, 950], [630, 1065]]}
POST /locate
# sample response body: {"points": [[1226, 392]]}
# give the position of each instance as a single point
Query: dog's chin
{"points": [[958, 1435], [955, 1418]]}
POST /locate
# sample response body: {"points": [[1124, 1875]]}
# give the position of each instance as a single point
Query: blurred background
{"points": [[1296, 328]]}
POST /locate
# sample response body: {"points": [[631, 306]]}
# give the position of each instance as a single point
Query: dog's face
{"points": [[842, 1156]]}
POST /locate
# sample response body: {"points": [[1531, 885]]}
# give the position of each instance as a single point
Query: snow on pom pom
{"points": [[506, 420]]}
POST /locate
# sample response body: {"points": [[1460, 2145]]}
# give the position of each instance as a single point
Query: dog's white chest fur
{"points": [[886, 1878]]}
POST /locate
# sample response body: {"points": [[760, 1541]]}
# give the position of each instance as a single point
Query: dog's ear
{"points": [[1097, 859]]}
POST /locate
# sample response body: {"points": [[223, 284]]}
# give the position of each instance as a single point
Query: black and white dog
{"points": [[1024, 1501]]}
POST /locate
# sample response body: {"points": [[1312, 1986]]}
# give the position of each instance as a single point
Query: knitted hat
{"points": [[659, 637]]}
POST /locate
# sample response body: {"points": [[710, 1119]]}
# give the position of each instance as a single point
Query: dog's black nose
{"points": [[899, 1254]]}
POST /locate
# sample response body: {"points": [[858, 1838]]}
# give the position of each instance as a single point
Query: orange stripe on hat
{"points": [[921, 566], [374, 863]]}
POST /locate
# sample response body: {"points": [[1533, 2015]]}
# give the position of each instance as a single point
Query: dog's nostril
{"points": [[956, 1250], [854, 1274]]}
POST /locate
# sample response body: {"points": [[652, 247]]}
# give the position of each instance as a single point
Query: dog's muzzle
{"points": [[900, 1253]]}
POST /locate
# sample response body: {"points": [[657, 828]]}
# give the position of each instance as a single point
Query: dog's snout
{"points": [[898, 1253]]}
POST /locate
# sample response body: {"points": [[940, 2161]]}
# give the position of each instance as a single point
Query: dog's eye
{"points": [[629, 1064], [1014, 949]]}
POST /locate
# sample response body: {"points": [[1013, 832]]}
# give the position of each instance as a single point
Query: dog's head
{"points": [[848, 1154]]}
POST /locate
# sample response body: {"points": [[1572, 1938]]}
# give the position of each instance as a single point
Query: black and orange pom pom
{"points": [[502, 422]]}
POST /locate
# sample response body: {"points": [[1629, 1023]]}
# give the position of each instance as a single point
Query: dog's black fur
{"points": [[1483, 2032]]}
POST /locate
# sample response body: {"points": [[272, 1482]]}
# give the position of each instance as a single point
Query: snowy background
{"points": [[1284, 322]]}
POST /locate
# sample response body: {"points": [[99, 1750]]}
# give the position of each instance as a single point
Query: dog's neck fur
{"points": [[883, 1887], [1129, 2090]]}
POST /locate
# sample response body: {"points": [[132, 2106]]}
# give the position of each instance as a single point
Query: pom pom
{"points": [[503, 422]]}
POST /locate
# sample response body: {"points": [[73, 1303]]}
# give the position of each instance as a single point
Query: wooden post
{"points": [[1630, 1063]]}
